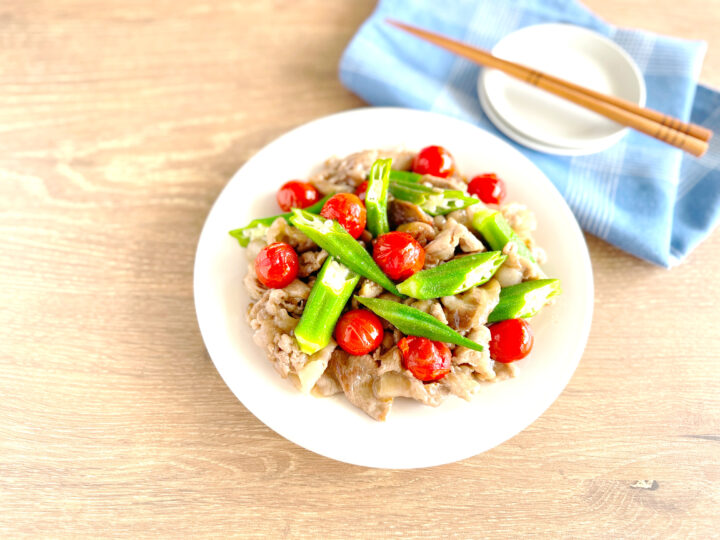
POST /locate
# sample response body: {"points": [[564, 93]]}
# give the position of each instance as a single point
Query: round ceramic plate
{"points": [[414, 435], [523, 139], [572, 53]]}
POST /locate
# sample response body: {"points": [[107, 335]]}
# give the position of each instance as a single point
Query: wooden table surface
{"points": [[120, 123]]}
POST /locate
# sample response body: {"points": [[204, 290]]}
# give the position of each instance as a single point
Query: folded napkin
{"points": [[644, 196]]}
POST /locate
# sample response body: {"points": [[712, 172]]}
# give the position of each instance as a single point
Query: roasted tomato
{"points": [[427, 360], [434, 160], [359, 332], [297, 194], [276, 265], [348, 210], [361, 190], [398, 254], [488, 188], [510, 340]]}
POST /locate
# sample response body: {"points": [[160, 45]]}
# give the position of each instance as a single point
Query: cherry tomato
{"points": [[488, 188], [359, 332], [361, 190], [427, 360], [398, 254], [276, 265], [434, 160], [297, 194], [510, 340], [348, 210]]}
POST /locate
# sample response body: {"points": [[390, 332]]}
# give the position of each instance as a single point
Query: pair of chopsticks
{"points": [[688, 137]]}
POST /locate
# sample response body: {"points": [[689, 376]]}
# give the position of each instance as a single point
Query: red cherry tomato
{"points": [[361, 190], [276, 265], [427, 360], [510, 340], [297, 194], [348, 210], [359, 332], [434, 160], [398, 254], [488, 188]]}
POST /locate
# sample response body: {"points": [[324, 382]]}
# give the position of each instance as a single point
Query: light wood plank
{"points": [[120, 124]]}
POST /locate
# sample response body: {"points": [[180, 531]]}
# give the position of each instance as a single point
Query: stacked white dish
{"points": [[547, 123]]}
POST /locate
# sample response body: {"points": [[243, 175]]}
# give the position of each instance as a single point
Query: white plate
{"points": [[414, 435], [572, 53], [540, 146]]}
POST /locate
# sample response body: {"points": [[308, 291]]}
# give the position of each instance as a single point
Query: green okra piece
{"points": [[376, 197], [453, 277], [435, 202], [331, 291], [406, 176], [413, 322], [524, 299], [333, 238], [496, 231], [257, 227]]}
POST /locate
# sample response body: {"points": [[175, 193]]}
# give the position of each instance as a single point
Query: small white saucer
{"points": [[540, 146], [572, 53]]}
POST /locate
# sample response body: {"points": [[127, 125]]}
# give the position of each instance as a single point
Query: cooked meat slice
{"points": [[461, 382], [306, 377], [523, 222], [464, 216], [508, 274], [515, 264], [254, 248], [365, 237], [391, 337], [369, 289], [281, 231], [504, 371], [451, 182], [451, 235], [479, 361], [326, 385], [520, 218], [401, 212], [254, 288], [432, 307], [347, 173], [388, 361], [311, 261], [471, 308], [419, 230], [402, 160], [273, 324], [356, 375], [402, 384]]}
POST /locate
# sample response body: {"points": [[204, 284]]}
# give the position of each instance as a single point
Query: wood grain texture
{"points": [[120, 122]]}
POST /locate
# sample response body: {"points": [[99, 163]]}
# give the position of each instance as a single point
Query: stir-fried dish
{"points": [[390, 275]]}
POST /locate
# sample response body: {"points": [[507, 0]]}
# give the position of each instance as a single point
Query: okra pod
{"points": [[524, 299], [413, 322], [406, 176], [331, 291], [376, 197], [453, 277], [497, 232], [435, 202], [333, 238], [257, 227]]}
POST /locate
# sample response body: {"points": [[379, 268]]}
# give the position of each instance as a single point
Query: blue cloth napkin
{"points": [[645, 197]]}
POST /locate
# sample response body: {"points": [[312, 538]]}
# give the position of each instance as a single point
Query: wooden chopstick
{"points": [[688, 137]]}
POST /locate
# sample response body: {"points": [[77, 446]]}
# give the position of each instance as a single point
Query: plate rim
{"points": [[575, 353]]}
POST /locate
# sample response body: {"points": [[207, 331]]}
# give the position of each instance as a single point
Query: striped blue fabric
{"points": [[645, 197]]}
